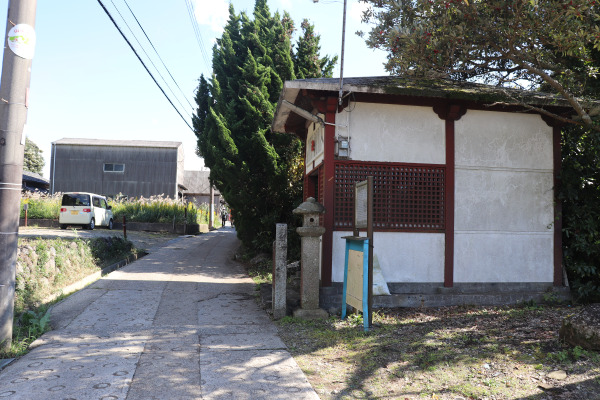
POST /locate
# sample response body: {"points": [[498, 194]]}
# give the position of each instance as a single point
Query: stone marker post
{"points": [[279, 271], [310, 233]]}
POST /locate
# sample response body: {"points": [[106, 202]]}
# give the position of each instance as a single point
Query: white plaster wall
{"points": [[505, 140], [503, 198], [393, 133], [312, 158], [403, 256], [503, 257]]}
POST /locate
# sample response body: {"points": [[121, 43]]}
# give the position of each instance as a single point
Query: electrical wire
{"points": [[156, 51], [149, 59], [141, 61], [192, 13]]}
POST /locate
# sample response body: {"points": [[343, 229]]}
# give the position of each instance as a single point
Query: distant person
{"points": [[223, 217]]}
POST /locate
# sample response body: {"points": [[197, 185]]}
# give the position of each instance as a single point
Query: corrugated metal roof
{"points": [[118, 143]]}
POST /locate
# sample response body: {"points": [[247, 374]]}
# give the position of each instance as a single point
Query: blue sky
{"points": [[87, 83]]}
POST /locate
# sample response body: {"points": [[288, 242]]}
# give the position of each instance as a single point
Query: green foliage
{"points": [[258, 172], [154, 209], [27, 327], [307, 63], [41, 206], [110, 249], [508, 43], [36, 323], [45, 266], [33, 160], [581, 215]]}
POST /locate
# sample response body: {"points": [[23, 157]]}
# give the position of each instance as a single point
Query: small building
{"points": [[133, 168], [198, 187], [465, 183], [33, 182]]}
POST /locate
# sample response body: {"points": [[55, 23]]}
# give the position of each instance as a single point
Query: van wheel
{"points": [[92, 225], [63, 226], [110, 224]]}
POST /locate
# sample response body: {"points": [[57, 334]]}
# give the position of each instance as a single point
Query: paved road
{"points": [[181, 323]]}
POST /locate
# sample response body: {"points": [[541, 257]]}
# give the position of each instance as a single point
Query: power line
{"points": [[149, 59], [141, 61], [192, 14], [156, 51]]}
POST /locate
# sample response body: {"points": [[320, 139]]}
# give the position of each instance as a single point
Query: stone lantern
{"points": [[310, 233]]}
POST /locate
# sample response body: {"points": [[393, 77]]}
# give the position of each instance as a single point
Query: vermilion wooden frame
{"points": [[407, 197], [558, 252]]}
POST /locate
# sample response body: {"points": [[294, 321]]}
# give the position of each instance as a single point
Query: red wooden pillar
{"points": [[557, 168], [328, 191], [449, 113], [558, 254], [449, 206]]}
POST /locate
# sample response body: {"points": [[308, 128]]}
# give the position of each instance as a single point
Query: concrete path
{"points": [[181, 323]]}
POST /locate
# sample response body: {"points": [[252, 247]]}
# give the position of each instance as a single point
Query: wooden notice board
{"points": [[356, 269], [354, 293]]}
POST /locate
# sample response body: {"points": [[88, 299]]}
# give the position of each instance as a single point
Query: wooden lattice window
{"points": [[407, 197]]}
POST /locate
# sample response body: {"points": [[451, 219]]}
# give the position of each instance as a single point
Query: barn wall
{"points": [[148, 170], [504, 198]]}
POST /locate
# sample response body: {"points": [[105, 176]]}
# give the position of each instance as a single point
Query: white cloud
{"points": [[214, 15]]}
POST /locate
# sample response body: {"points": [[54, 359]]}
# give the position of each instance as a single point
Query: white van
{"points": [[86, 209]]}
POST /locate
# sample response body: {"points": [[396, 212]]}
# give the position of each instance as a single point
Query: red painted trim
{"points": [[328, 193], [315, 169], [558, 253], [449, 185], [386, 163]]}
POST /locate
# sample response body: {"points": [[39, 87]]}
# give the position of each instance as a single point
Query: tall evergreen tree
{"points": [[256, 170], [33, 160], [306, 58]]}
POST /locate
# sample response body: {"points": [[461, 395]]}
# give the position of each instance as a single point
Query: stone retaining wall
{"points": [[190, 229]]}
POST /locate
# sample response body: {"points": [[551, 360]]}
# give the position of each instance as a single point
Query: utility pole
{"points": [[14, 95]]}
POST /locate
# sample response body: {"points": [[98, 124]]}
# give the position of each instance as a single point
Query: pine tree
{"points": [[256, 170]]}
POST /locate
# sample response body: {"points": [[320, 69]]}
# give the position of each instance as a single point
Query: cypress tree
{"points": [[306, 59], [257, 171]]}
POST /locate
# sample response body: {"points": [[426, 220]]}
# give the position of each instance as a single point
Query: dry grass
{"points": [[446, 354]]}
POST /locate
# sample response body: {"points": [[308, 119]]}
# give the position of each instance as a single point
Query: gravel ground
{"points": [[141, 239]]}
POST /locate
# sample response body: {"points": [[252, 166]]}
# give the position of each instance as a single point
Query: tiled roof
{"points": [[33, 177]]}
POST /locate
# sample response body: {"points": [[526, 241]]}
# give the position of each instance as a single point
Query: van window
{"points": [[96, 201], [75, 199]]}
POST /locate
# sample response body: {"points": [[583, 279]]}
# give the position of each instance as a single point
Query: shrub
{"points": [[154, 209], [41, 206], [580, 177], [46, 266]]}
